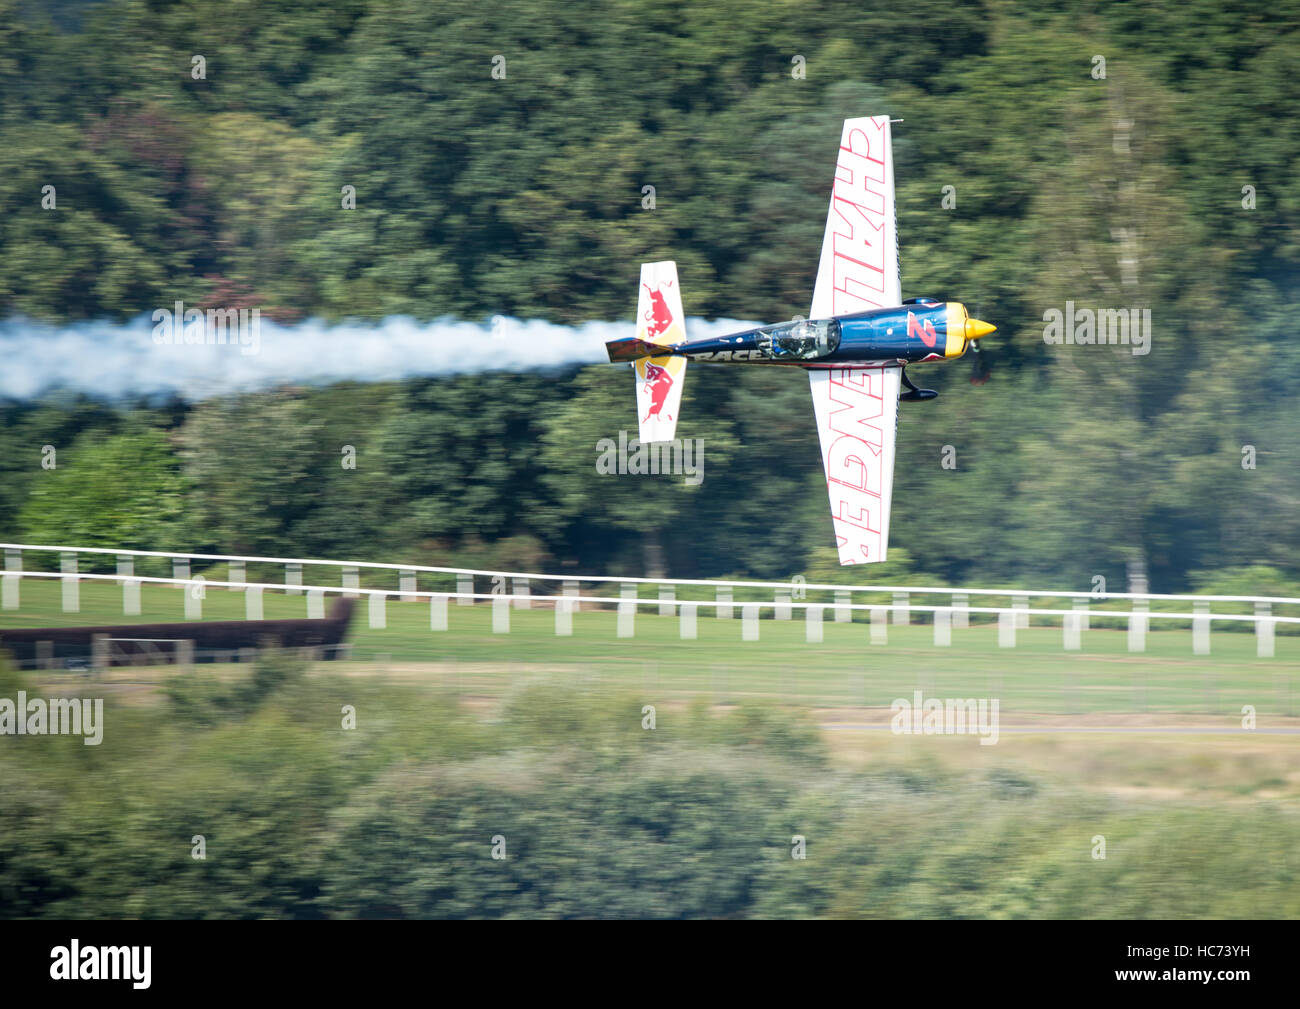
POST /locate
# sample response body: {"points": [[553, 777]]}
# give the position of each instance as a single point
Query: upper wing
{"points": [[857, 412], [857, 408], [859, 265]]}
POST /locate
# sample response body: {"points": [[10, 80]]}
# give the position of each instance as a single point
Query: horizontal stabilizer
{"points": [[660, 323]]}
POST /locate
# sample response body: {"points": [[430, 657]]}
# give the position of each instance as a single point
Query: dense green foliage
{"points": [[599, 816], [522, 196]]}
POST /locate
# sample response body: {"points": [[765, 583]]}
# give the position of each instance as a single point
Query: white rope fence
{"points": [[350, 570], [627, 604]]}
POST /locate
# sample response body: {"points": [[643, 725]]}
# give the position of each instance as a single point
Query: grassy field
{"points": [[607, 819], [465, 734], [845, 669]]}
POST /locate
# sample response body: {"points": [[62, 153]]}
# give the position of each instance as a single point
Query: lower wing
{"points": [[857, 413]]}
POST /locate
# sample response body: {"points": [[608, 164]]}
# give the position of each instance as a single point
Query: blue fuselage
{"points": [[908, 333]]}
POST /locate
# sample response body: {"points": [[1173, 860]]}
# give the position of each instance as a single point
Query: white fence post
{"points": [[724, 603], [406, 584], [1080, 607], [667, 596], [902, 617], [125, 566], [437, 613], [563, 617], [100, 649], [131, 597], [315, 604], [627, 612], [465, 587], [351, 580], [749, 622], [782, 599], [181, 569], [573, 591], [71, 591], [813, 624], [1263, 630], [1007, 629], [1200, 629], [1070, 629], [13, 565], [378, 611], [1021, 605], [523, 594], [960, 610], [501, 615], [193, 600], [879, 627], [253, 602], [688, 627], [1137, 626], [237, 572], [943, 628], [843, 600], [293, 579]]}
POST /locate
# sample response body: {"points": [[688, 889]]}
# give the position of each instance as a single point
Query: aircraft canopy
{"points": [[804, 340]]}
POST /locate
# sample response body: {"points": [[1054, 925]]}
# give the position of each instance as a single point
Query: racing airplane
{"points": [[860, 336]]}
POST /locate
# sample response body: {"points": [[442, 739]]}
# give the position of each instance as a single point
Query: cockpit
{"points": [[800, 341]]}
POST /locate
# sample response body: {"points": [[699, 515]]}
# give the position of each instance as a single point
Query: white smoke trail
{"points": [[113, 360]]}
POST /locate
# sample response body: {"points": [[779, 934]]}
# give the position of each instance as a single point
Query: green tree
{"points": [[119, 490]]}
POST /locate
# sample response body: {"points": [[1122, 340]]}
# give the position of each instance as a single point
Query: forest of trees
{"points": [[1162, 177]]}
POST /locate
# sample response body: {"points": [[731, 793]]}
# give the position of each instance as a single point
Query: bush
{"points": [[596, 816]]}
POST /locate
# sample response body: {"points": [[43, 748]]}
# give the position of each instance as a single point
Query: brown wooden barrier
{"points": [[128, 643]]}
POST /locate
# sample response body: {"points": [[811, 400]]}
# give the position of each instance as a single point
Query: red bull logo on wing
{"points": [[657, 383], [658, 317]]}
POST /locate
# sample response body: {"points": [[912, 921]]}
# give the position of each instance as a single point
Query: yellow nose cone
{"points": [[975, 329]]}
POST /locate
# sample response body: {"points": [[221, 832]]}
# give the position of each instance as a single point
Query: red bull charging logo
{"points": [[658, 317], [657, 384]]}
